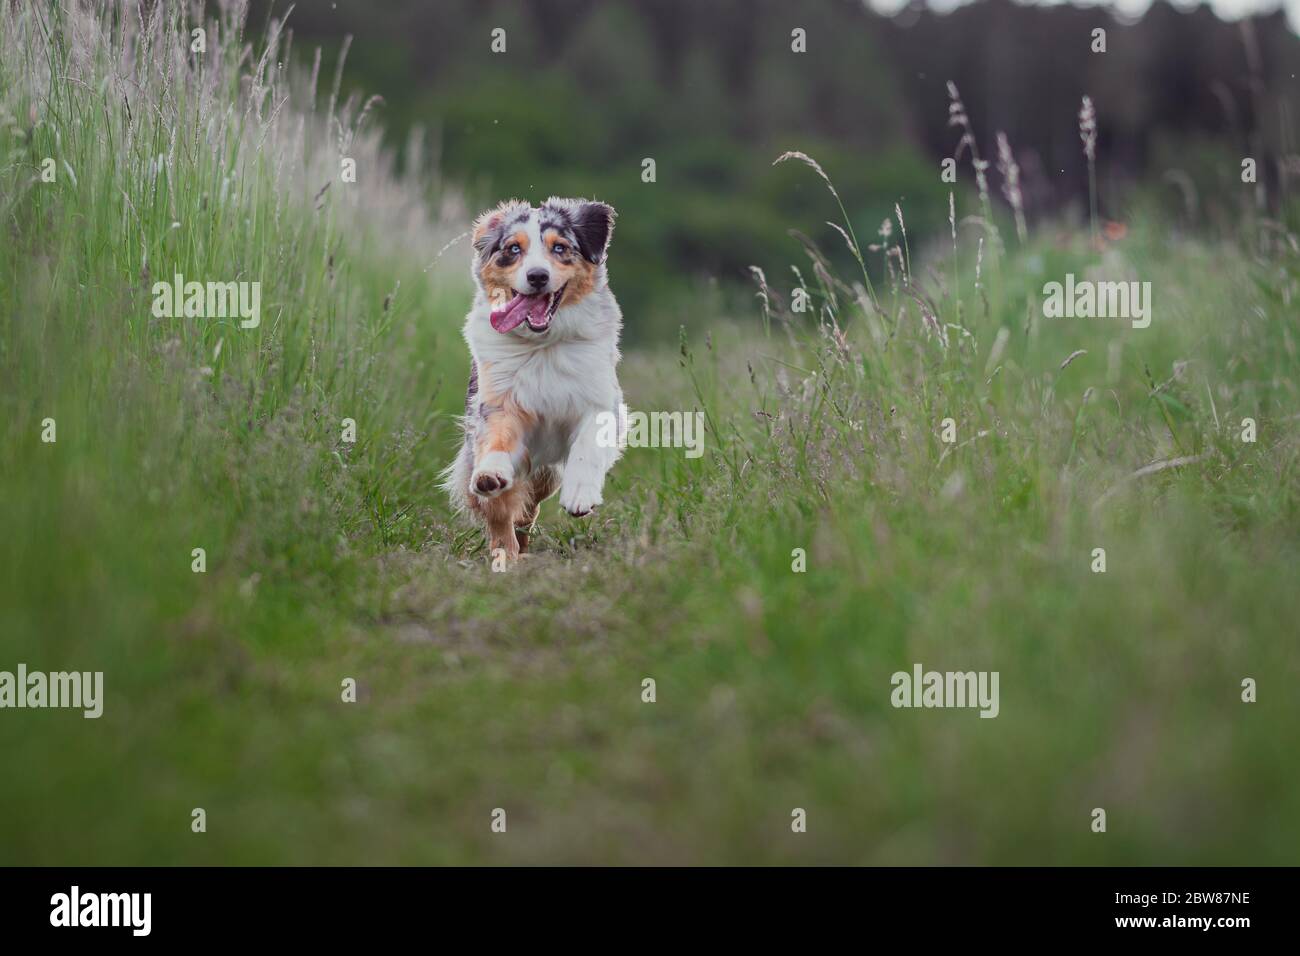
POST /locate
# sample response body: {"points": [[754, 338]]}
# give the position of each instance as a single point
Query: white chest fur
{"points": [[562, 379]]}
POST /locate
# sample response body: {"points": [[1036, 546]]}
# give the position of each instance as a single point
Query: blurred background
{"points": [[588, 89]]}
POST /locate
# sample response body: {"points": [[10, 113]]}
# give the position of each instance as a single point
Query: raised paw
{"points": [[579, 497], [492, 476]]}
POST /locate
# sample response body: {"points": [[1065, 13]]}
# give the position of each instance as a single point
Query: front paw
{"points": [[580, 496], [493, 475]]}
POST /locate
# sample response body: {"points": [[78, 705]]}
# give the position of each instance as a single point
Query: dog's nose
{"points": [[538, 278]]}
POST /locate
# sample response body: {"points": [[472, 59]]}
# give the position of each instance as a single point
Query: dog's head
{"points": [[531, 262]]}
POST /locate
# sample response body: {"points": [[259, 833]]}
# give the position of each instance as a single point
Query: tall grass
{"points": [[175, 434], [219, 164]]}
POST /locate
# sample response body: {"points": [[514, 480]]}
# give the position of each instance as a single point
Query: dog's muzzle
{"points": [[536, 310]]}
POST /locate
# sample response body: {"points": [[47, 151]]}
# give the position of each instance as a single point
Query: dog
{"points": [[543, 339]]}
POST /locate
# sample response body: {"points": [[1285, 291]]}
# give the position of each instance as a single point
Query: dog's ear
{"points": [[489, 227], [593, 226], [487, 230]]}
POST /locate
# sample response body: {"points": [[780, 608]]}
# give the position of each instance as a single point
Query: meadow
{"points": [[326, 559]]}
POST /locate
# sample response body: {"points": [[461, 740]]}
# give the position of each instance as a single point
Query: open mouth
{"points": [[536, 310]]}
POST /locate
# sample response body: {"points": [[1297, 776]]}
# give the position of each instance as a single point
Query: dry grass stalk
{"points": [[1010, 171]]}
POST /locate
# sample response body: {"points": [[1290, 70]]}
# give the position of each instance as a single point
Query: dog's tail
{"points": [[455, 477]]}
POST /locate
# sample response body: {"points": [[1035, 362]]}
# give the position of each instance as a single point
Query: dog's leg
{"points": [[502, 512], [524, 529], [499, 478], [541, 485], [584, 470], [498, 448]]}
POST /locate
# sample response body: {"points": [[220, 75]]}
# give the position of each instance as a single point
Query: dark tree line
{"points": [[587, 89]]}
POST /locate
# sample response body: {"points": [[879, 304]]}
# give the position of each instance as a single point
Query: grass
{"points": [[328, 560]]}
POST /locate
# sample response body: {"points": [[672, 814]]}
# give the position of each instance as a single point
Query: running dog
{"points": [[543, 341]]}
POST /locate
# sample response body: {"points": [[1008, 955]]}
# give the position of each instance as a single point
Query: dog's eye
{"points": [[513, 249], [559, 248]]}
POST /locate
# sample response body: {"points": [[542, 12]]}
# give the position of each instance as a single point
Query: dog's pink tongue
{"points": [[531, 307], [503, 320], [537, 310]]}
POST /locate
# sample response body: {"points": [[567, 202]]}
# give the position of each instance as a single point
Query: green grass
{"points": [[328, 560]]}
